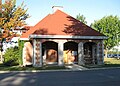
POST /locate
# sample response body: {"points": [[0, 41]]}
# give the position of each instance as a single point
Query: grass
{"points": [[18, 68], [111, 62], [108, 62]]}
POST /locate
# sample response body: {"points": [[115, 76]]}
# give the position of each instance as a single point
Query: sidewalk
{"points": [[70, 68], [75, 67]]}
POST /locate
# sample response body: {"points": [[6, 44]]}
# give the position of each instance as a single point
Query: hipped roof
{"points": [[60, 23]]}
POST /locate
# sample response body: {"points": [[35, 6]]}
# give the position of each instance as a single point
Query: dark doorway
{"points": [[70, 52], [90, 53], [50, 52]]}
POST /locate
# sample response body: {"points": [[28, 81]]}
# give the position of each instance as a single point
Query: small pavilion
{"points": [[61, 39]]}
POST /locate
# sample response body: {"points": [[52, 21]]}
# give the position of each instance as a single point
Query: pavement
{"points": [[107, 77], [76, 67], [73, 67]]}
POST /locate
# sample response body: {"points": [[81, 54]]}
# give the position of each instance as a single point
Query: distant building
{"points": [[12, 41], [21, 30]]}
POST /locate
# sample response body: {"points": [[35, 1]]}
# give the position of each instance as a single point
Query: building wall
{"points": [[37, 53], [37, 58], [27, 53]]}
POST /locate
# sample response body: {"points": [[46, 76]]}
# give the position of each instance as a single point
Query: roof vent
{"points": [[55, 8]]}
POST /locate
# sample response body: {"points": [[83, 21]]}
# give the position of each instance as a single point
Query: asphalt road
{"points": [[104, 77]]}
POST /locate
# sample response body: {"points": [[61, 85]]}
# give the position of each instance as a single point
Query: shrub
{"points": [[11, 56], [21, 45]]}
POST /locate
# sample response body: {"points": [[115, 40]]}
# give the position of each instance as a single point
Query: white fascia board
{"points": [[66, 37], [24, 39]]}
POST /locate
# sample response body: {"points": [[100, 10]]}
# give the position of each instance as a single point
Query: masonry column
{"points": [[80, 54], [98, 46], [37, 53], [100, 53], [34, 55], [60, 54]]}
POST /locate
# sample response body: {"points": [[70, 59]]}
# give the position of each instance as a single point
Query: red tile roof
{"points": [[60, 23]]}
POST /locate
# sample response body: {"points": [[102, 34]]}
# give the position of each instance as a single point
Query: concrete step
{"points": [[76, 67]]}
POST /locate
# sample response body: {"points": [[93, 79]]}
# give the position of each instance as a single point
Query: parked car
{"points": [[116, 56], [110, 55]]}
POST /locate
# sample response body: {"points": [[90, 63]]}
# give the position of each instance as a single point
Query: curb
{"points": [[62, 70], [103, 68], [33, 71]]}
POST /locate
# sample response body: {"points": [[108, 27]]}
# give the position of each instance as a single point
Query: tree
{"points": [[81, 18], [109, 26], [0, 8], [12, 16]]}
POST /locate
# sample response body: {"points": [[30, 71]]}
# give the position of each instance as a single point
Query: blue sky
{"points": [[91, 9]]}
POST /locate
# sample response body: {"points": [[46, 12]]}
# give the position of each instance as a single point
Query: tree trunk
{"points": [[0, 6], [106, 52], [1, 57]]}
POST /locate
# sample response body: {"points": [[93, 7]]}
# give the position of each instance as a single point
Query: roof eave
{"points": [[24, 39], [66, 37]]}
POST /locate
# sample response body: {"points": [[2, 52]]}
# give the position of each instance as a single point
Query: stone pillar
{"points": [[80, 54], [34, 55], [60, 54], [94, 52], [41, 58], [100, 53], [37, 53], [98, 50]]}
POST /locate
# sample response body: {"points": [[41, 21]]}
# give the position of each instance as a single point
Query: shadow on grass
{"points": [[18, 68], [102, 66], [111, 65]]}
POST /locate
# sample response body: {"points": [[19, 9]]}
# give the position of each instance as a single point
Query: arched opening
{"points": [[70, 52], [50, 52], [90, 53]]}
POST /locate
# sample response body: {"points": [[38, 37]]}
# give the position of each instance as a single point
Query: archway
{"points": [[90, 53], [50, 52], [70, 52]]}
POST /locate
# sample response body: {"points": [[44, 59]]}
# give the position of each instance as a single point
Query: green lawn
{"points": [[111, 62], [108, 62]]}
